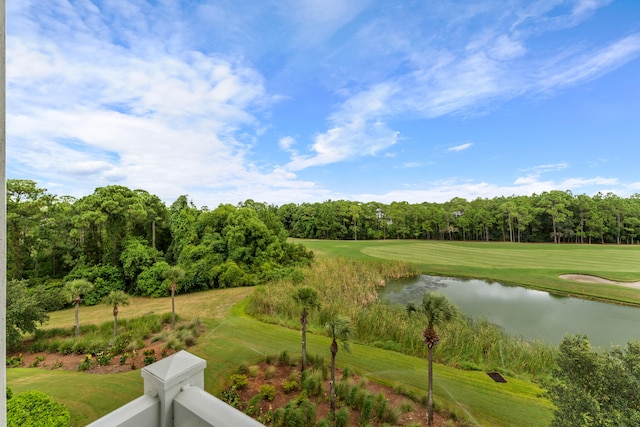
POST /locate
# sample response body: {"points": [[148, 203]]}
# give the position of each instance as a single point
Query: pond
{"points": [[526, 313]]}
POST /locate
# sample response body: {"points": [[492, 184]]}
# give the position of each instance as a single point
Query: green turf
{"points": [[533, 265], [234, 338], [88, 396]]}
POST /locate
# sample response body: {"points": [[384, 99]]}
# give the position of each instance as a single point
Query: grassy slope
{"points": [[533, 265], [232, 338]]}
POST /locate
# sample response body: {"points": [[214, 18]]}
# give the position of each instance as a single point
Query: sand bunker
{"points": [[585, 278]]}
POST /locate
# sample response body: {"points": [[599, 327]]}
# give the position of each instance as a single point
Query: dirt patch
{"points": [[585, 278], [412, 413]]}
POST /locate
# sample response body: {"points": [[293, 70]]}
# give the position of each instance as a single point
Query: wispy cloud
{"points": [[539, 169], [357, 131], [460, 147]]}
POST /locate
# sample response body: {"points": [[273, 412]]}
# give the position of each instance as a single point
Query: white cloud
{"points": [[591, 65], [460, 147], [357, 131], [286, 143], [548, 167]]}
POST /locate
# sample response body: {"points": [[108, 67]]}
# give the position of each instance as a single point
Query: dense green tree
{"points": [[115, 299], [136, 257], [556, 205], [75, 290], [105, 278], [151, 282], [594, 388], [436, 310], [24, 312], [107, 218], [25, 204], [183, 216], [308, 299], [340, 331]]}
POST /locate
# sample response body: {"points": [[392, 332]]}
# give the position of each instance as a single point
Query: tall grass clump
{"points": [[344, 285]]}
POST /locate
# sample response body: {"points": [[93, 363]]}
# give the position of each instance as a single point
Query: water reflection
{"points": [[525, 312]]}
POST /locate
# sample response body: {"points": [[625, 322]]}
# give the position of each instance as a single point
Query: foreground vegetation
{"points": [[232, 339], [387, 346]]}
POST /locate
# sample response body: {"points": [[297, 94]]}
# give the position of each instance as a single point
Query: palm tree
{"points": [[436, 309], [116, 298], [308, 298], [174, 274], [339, 329], [74, 290]]}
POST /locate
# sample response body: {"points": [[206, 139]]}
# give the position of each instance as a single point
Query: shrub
{"points": [[86, 363], [149, 356], [346, 373], [239, 381], [34, 408], [231, 397], [381, 406], [36, 362], [289, 386], [103, 359], [342, 417], [243, 368], [392, 416], [57, 364], [252, 405], [284, 358], [268, 392], [254, 370], [367, 410], [269, 373], [406, 407], [14, 361]]}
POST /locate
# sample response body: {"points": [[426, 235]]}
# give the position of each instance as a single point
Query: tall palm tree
{"points": [[436, 309], [339, 329], [308, 298], [174, 274], [74, 290], [114, 299]]}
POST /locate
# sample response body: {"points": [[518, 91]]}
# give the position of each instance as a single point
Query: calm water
{"points": [[525, 312]]}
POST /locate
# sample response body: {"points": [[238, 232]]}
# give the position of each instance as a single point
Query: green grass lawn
{"points": [[536, 266], [232, 338]]}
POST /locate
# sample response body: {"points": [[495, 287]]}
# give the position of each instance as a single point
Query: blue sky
{"points": [[308, 100]]}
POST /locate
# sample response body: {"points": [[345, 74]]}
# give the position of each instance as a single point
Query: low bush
{"points": [[34, 408], [239, 381], [268, 392], [289, 386]]}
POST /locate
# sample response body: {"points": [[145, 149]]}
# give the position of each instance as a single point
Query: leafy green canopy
{"points": [[24, 312], [594, 388], [124, 240]]}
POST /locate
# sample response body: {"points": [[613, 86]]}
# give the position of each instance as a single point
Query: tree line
{"points": [[122, 239], [554, 216], [125, 239]]}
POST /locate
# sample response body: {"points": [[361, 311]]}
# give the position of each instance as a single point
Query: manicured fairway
{"points": [[533, 265], [232, 338]]}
